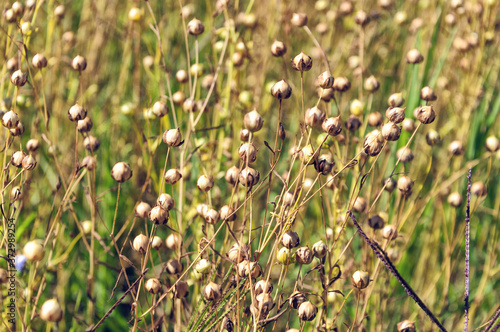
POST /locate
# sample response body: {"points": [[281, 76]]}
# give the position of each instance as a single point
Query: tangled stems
{"points": [[381, 256]]}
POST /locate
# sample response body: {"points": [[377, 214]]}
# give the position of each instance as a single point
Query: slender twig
{"points": [[467, 251], [411, 293], [493, 320]]}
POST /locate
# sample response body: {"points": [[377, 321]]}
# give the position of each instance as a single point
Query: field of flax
{"points": [[250, 165]]}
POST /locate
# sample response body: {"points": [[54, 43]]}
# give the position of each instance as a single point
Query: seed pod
{"points": [[173, 241], [299, 19], [227, 324], [12, 64], [153, 286], [140, 243], [324, 164], [79, 63], [405, 184], [425, 114], [391, 131], [159, 109], [408, 125], [211, 216], [414, 56], [17, 159], [232, 175], [203, 266], [91, 143], [264, 304], [325, 80], [427, 94], [456, 148], [18, 78], [281, 90], [357, 107], [142, 210], [302, 62], [189, 105], [314, 117], [360, 205], [360, 279], [278, 48], [121, 172], [10, 120], [15, 194], [174, 266], [244, 136], [178, 98], [332, 126], [390, 232], [296, 299], [181, 76], [492, 144], [39, 61], [353, 123], [326, 94], [395, 100], [345, 8], [10, 16], [195, 27], [181, 289], [290, 240], [478, 189], [227, 213], [84, 125], [51, 311], [157, 243], [205, 183], [361, 18], [76, 112], [406, 326], [375, 119], [395, 114], [237, 253], [389, 184], [248, 152], [373, 143], [172, 137], [18, 130], [246, 268], [34, 251], [263, 286], [371, 84], [249, 177], [212, 291], [172, 176], [455, 199], [135, 15], [304, 255], [376, 222], [320, 249], [307, 311], [165, 201], [308, 155], [284, 256], [432, 137], [158, 215], [253, 120], [89, 162]]}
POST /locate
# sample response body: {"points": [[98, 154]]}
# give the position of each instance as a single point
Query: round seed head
{"points": [[174, 266], [203, 266], [320, 249], [158, 215], [19, 78], [18, 130], [212, 291], [371, 84], [284, 256], [425, 114], [346, 8], [205, 183], [406, 326], [237, 253], [181, 289], [121, 172], [89, 163], [15, 194], [456, 148], [249, 177], [195, 27], [12, 64], [278, 48], [39, 61], [10, 16], [34, 251], [326, 94], [160, 109], [153, 286], [142, 210], [492, 144], [396, 99], [375, 119], [281, 90], [404, 154], [189, 105], [247, 152], [296, 299], [427, 94], [414, 56], [173, 241], [17, 159], [395, 114], [304, 255], [290, 240], [79, 63], [325, 80], [85, 125], [408, 125], [357, 107], [165, 201], [253, 121], [211, 216], [332, 126], [324, 164], [361, 18], [478, 189], [51, 311], [178, 97], [390, 232], [299, 19], [432, 137], [172, 137], [91, 143], [405, 184], [172, 176], [360, 279], [232, 175], [76, 113], [157, 243], [314, 117], [391, 131], [244, 135], [302, 62], [376, 222], [353, 123], [307, 311], [227, 213], [264, 304], [263, 286], [360, 205], [181, 76], [455, 199], [373, 143], [389, 184], [246, 268], [140, 243]]}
